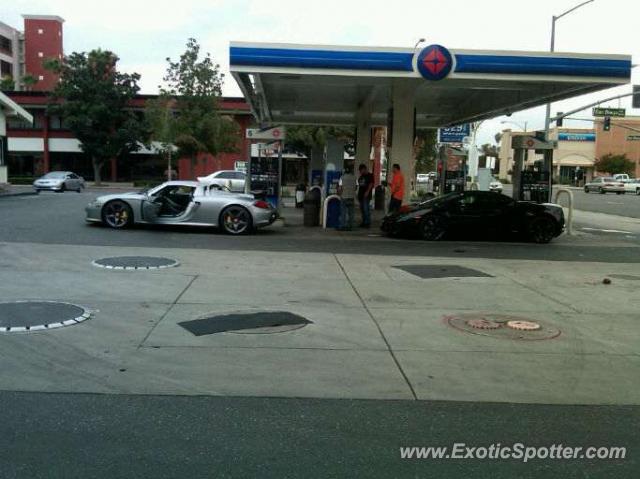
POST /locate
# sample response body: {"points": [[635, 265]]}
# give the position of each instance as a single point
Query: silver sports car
{"points": [[188, 203]]}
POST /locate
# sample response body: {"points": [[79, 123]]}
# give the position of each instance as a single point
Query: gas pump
{"points": [[265, 171], [452, 169], [534, 183]]}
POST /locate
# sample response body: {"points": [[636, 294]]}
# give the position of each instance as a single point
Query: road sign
{"points": [[274, 133], [454, 134], [633, 138], [636, 96], [532, 143], [617, 112]]}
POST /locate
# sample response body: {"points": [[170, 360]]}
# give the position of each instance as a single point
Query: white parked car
{"points": [[621, 177], [496, 186], [605, 184], [632, 186], [233, 180], [59, 181]]}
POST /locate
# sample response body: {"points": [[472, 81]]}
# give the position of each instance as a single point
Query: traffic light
{"points": [[606, 126], [559, 120]]}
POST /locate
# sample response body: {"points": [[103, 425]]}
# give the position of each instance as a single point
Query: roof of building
{"points": [[11, 108]]}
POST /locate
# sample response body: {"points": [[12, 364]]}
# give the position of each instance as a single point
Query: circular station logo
{"points": [[435, 62]]}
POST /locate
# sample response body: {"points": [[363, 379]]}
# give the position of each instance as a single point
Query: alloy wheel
{"points": [[117, 214], [236, 220]]}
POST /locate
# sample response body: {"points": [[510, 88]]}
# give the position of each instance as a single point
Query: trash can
{"points": [[333, 206], [312, 208], [300, 194], [379, 198]]}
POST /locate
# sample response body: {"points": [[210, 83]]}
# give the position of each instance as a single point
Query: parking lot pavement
{"points": [[374, 331]]}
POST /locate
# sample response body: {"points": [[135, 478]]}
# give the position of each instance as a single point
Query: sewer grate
{"points": [[502, 326], [269, 322], [441, 271], [135, 263], [28, 316]]}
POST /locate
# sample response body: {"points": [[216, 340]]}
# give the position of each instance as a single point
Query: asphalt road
{"points": [[610, 203], [94, 436], [54, 218]]}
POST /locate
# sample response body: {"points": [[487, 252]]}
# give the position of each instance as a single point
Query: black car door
{"points": [[464, 215], [496, 213]]}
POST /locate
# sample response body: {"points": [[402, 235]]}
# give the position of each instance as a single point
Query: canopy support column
{"points": [[403, 133]]}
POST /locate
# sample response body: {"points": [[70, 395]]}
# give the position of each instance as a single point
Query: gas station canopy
{"points": [[307, 84]]}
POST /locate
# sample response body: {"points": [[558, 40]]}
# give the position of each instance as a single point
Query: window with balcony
{"points": [[6, 46]]}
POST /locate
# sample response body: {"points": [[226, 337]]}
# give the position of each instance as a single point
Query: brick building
{"points": [[46, 144], [622, 138], [22, 53]]}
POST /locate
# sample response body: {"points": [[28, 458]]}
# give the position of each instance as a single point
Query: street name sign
{"points": [[617, 112]]}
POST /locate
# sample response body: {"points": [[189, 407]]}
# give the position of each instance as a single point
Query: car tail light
{"points": [[262, 205]]}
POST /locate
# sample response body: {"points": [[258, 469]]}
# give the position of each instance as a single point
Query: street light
{"points": [[554, 19], [519, 125]]}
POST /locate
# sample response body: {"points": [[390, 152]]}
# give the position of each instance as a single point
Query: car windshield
{"points": [[54, 175]]}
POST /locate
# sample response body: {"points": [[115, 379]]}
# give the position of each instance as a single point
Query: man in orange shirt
{"points": [[397, 189]]}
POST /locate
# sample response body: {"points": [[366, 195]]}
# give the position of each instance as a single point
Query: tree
{"points": [[614, 164], [195, 85], [92, 96], [7, 83], [28, 82], [161, 121], [426, 150], [304, 139]]}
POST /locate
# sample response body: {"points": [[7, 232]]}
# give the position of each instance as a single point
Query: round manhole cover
{"points": [[136, 263], [502, 326], [28, 316]]}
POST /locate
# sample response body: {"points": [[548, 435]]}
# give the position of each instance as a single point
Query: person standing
{"points": [[397, 189], [347, 193], [365, 187]]}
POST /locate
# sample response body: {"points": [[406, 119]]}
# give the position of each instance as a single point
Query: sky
{"points": [[144, 34]]}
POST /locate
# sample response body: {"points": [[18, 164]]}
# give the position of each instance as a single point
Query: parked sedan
{"points": [[632, 186], [477, 214], [186, 203], [59, 181], [605, 184], [233, 180]]}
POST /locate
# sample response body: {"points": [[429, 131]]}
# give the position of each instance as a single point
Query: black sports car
{"points": [[477, 214]]}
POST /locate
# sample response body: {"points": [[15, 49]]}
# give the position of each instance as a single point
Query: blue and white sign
{"points": [[454, 134], [577, 137]]}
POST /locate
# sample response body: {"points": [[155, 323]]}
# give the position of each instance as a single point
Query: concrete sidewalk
{"points": [[377, 331]]}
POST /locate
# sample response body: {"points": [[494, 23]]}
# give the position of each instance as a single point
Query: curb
{"points": [[13, 195]]}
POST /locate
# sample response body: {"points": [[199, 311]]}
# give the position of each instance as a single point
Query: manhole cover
{"points": [[27, 316], [246, 323], [442, 271], [502, 326], [628, 277], [135, 263]]}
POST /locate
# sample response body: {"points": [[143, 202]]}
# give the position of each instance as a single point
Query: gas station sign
{"points": [[454, 134], [274, 133]]}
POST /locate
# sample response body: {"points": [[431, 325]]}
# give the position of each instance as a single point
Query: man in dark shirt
{"points": [[365, 187]]}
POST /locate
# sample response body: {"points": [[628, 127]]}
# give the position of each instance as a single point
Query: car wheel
{"points": [[432, 228], [117, 214], [542, 230], [586, 190], [63, 188], [619, 192], [601, 191], [638, 192], [236, 220]]}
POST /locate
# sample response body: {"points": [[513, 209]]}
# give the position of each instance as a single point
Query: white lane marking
{"points": [[608, 231]]}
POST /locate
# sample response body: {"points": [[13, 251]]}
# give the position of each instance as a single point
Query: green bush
{"points": [[21, 180]]}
